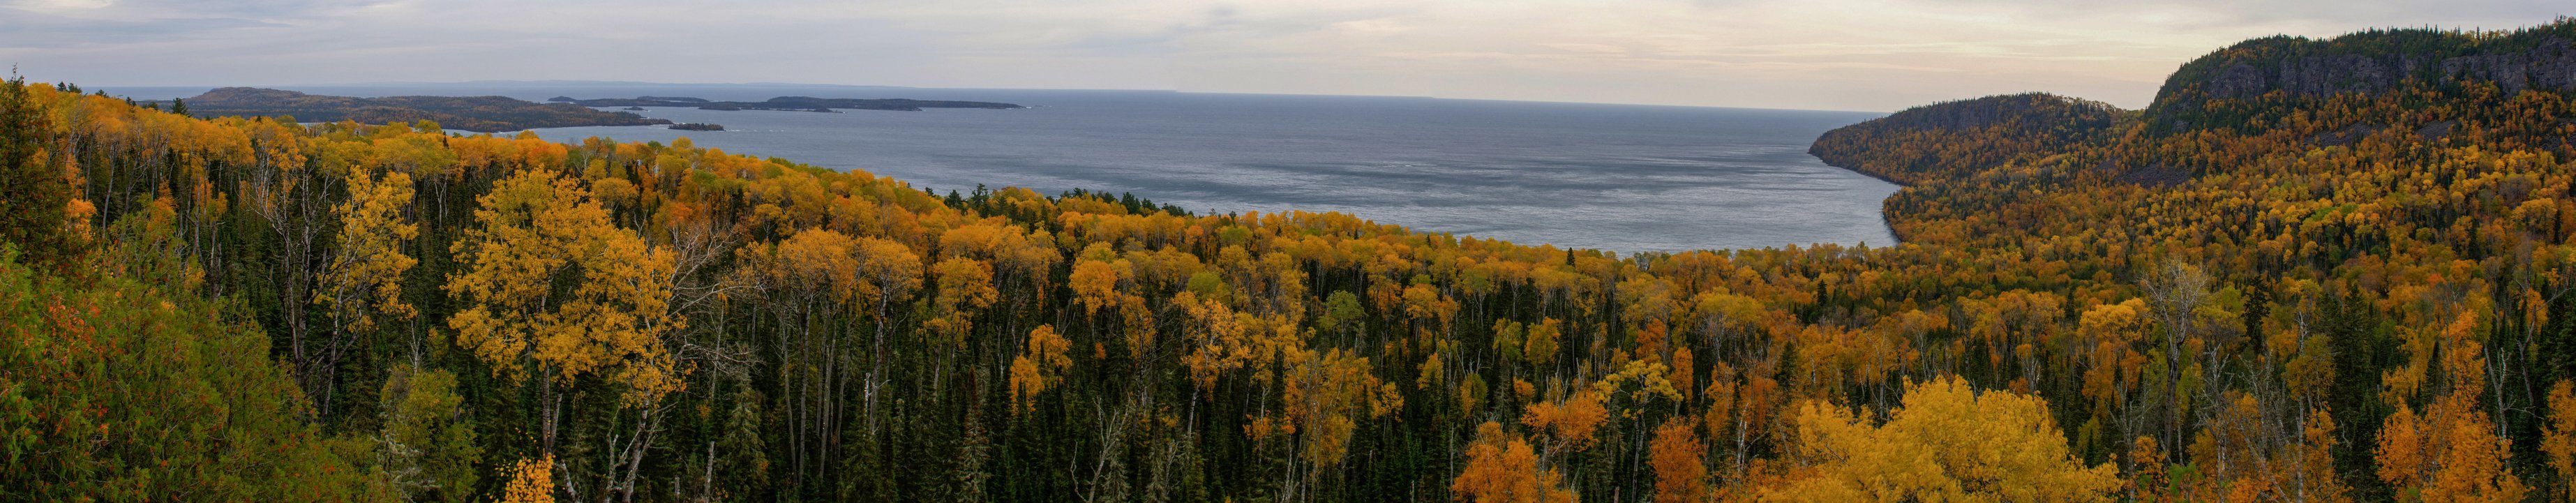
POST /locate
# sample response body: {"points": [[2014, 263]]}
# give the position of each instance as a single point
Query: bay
{"points": [[1626, 178]]}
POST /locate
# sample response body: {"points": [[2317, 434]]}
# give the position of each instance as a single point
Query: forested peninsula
{"points": [[488, 114], [2312, 270], [790, 103]]}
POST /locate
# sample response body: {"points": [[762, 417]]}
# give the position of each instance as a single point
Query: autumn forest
{"points": [[2314, 270]]}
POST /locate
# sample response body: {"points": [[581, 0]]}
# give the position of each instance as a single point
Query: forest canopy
{"points": [[2351, 296]]}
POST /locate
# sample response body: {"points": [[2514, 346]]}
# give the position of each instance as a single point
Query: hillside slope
{"points": [[2087, 308], [1959, 138], [2363, 233]]}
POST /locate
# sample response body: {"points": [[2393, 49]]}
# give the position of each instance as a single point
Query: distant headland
{"points": [[789, 103], [491, 114]]}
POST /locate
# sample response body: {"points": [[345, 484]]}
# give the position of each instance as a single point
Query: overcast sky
{"points": [[1816, 54]]}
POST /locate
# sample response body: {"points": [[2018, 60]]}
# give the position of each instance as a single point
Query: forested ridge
{"points": [[489, 114], [2359, 296]]}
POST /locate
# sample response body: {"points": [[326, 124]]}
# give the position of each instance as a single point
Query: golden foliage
{"points": [[364, 279], [1949, 442], [1040, 366], [531, 481], [1676, 455], [2559, 442], [539, 233], [1501, 468], [1569, 423]]}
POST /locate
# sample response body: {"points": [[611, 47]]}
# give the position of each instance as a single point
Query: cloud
{"points": [[24, 29], [1837, 54]]}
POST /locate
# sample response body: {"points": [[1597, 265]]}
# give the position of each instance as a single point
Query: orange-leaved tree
{"points": [[2560, 441], [2450, 451], [1677, 455], [1502, 468]]}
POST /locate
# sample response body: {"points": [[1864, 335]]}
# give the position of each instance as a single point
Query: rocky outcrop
{"points": [[2223, 90], [2550, 66], [2536, 58]]}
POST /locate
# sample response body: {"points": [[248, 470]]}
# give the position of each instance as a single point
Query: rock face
{"points": [[2219, 90], [2541, 58], [2551, 67]]}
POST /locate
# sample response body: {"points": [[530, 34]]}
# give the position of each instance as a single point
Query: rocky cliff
{"points": [[2367, 63]]}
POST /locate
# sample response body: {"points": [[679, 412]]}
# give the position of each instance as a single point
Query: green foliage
{"points": [[428, 446], [33, 196], [116, 389]]}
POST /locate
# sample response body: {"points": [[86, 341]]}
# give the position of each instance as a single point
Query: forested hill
{"points": [[475, 113], [2367, 298], [1958, 138], [2370, 281]]}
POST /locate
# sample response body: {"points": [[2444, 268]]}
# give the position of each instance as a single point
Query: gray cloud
{"points": [[1834, 54], [22, 29]]}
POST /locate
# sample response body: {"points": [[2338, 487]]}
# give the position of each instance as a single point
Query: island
{"points": [[697, 126], [792, 103], [485, 114]]}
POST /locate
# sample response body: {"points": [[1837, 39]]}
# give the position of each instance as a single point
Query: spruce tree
{"points": [[32, 192]]}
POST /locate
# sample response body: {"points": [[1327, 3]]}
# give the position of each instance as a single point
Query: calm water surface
{"points": [[1618, 177]]}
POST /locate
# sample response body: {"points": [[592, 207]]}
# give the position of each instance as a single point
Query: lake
{"points": [[1627, 178]]}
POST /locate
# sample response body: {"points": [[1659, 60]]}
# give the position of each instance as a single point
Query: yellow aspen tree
{"points": [[531, 481], [891, 272], [1040, 367], [965, 288], [547, 282], [2559, 442], [365, 276], [1095, 284], [1949, 442], [1540, 348]]}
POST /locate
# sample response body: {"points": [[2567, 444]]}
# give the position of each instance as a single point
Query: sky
{"points": [[1873, 55]]}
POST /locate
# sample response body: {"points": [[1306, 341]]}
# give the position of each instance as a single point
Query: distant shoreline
{"points": [[500, 114]]}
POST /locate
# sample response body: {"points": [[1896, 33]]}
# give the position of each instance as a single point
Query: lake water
{"points": [[1619, 177]]}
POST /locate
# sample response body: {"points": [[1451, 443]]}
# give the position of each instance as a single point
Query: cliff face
{"points": [[2551, 67], [2541, 58]]}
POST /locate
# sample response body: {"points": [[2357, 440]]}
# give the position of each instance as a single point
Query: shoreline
{"points": [[1884, 215]]}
